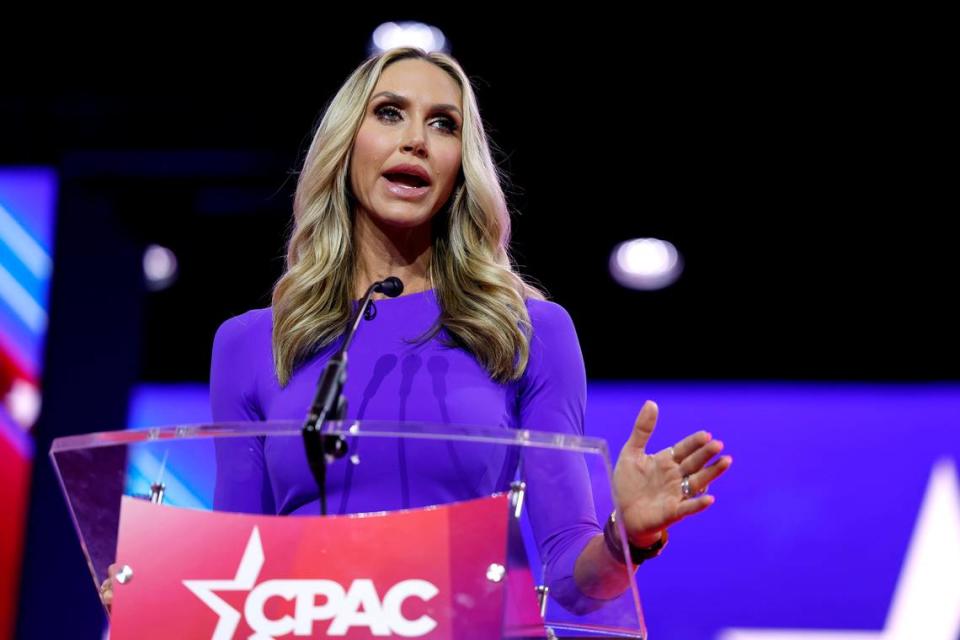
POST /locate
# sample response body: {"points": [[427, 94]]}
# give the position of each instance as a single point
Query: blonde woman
{"points": [[399, 181]]}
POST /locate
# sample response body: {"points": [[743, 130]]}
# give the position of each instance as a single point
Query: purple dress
{"points": [[389, 378]]}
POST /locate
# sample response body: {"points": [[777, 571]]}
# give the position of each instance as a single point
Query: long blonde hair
{"points": [[481, 296]]}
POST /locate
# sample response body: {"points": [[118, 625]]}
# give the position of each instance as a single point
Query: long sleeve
{"points": [[242, 482], [552, 397]]}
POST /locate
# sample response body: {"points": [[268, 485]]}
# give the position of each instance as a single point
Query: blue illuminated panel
{"points": [[27, 209]]}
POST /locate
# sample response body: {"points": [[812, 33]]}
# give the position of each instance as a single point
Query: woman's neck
{"points": [[389, 251]]}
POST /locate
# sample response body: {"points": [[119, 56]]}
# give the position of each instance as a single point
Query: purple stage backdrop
{"points": [[839, 519]]}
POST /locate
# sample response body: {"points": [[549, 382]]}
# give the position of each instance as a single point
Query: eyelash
{"points": [[450, 125]]}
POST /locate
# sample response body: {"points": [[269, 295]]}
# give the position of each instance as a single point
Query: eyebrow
{"points": [[404, 102]]}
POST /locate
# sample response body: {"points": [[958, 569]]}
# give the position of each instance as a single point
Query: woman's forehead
{"points": [[419, 80]]}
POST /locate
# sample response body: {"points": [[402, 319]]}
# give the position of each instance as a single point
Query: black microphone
{"points": [[329, 403], [390, 287]]}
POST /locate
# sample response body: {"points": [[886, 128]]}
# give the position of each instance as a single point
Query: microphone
{"points": [[391, 287], [329, 403]]}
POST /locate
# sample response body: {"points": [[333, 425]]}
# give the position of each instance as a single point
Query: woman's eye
{"points": [[448, 124], [388, 113]]}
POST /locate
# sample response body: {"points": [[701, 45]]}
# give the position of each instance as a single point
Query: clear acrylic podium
{"points": [[432, 531]]}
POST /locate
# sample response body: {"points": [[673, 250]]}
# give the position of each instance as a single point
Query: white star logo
{"points": [[926, 603], [357, 606], [246, 577]]}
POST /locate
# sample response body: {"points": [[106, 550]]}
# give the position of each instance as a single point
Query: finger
{"points": [[694, 505], [702, 478], [643, 427], [695, 461], [668, 453], [113, 569], [690, 444], [106, 592]]}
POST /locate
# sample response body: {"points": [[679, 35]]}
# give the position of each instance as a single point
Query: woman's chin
{"points": [[401, 220]]}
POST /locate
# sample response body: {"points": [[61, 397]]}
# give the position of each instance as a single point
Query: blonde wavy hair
{"points": [[481, 296]]}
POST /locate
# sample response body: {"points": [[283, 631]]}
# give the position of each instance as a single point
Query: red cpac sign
{"points": [[422, 573]]}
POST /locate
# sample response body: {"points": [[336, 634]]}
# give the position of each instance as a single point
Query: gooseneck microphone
{"points": [[329, 403]]}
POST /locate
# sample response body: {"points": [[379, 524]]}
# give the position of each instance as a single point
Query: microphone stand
{"points": [[330, 403]]}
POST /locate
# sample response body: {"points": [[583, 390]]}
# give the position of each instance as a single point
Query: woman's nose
{"points": [[415, 142]]}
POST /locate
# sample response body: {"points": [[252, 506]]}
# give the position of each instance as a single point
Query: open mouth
{"points": [[406, 180]]}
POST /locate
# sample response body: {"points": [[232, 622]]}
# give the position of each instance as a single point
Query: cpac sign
{"points": [[344, 608], [419, 573], [358, 606]]}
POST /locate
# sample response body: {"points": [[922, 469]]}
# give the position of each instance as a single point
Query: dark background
{"points": [[795, 162]]}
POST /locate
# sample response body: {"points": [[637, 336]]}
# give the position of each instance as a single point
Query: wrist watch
{"points": [[637, 554]]}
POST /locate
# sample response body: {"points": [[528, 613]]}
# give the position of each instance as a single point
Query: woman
{"points": [[399, 181]]}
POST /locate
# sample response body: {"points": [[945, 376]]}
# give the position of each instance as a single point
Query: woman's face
{"points": [[414, 118]]}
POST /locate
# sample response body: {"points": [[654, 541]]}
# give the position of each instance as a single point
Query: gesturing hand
{"points": [[653, 491]]}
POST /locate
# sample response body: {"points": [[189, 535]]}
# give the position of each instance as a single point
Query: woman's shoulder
{"points": [[549, 317], [555, 371], [251, 318], [245, 327]]}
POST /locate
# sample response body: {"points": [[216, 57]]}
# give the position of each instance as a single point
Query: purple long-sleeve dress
{"points": [[391, 379]]}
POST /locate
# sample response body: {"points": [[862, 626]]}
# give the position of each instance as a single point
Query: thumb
{"points": [[643, 427]]}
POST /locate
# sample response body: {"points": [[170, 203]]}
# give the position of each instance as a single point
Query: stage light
{"points": [[645, 264], [390, 35], [159, 267]]}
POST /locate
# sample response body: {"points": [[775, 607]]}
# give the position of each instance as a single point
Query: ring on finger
{"points": [[685, 487]]}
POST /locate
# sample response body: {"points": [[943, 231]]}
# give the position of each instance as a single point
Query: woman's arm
{"points": [[242, 483]]}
